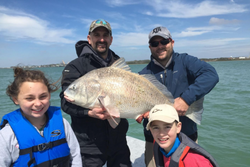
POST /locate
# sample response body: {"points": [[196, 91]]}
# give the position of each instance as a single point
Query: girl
{"points": [[36, 134]]}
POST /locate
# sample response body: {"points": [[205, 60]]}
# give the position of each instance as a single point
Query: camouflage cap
{"points": [[100, 23]]}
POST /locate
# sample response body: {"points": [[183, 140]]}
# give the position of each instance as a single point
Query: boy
{"points": [[172, 147]]}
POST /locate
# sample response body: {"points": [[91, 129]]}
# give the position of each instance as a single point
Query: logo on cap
{"points": [[156, 110], [156, 30]]}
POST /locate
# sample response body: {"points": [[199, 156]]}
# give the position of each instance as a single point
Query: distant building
{"points": [[242, 57]]}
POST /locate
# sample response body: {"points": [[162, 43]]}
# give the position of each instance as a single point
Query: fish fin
{"points": [[114, 122], [120, 63], [114, 113], [105, 102], [195, 111], [195, 116], [160, 86]]}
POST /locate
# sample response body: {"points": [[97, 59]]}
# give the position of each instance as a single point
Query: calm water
{"points": [[225, 128]]}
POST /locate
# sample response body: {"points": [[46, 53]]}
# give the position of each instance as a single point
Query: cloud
{"points": [[19, 25], [178, 9], [130, 39], [87, 22], [216, 42], [195, 31], [115, 3], [111, 14], [214, 48], [218, 21]]}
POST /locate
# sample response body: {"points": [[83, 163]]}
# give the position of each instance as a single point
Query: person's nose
{"points": [[161, 132], [160, 45], [37, 102], [102, 39]]}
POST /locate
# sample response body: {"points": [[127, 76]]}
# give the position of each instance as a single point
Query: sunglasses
{"points": [[163, 42], [101, 21]]}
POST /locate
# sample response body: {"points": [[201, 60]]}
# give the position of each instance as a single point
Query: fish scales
{"points": [[129, 92]]}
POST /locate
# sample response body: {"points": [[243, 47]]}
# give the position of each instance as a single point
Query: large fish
{"points": [[122, 93]]}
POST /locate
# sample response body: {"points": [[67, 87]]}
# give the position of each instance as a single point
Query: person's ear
{"points": [[15, 100], [89, 39], [111, 40], [178, 126], [172, 42]]}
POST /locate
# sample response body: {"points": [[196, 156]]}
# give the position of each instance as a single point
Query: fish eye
{"points": [[73, 87]]}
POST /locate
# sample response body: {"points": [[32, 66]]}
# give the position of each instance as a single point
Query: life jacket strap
{"points": [[42, 146], [4, 122], [184, 153]]}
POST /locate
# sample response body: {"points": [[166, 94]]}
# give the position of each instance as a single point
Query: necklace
{"points": [[43, 125]]}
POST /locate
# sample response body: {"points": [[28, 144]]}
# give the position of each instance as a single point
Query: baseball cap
{"points": [[99, 23], [159, 31], [162, 112]]}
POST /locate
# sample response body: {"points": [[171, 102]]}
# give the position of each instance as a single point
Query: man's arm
{"points": [[203, 77], [70, 74]]}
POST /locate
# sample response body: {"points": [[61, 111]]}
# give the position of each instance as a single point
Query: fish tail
{"points": [[196, 116]]}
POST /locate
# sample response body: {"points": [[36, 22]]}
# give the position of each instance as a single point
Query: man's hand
{"points": [[181, 106], [142, 116], [68, 99], [99, 113], [146, 114]]}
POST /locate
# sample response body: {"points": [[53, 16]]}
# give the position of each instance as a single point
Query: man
{"points": [[99, 142], [185, 76]]}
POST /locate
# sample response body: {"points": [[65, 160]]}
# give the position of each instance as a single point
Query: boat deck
{"points": [[137, 148]]}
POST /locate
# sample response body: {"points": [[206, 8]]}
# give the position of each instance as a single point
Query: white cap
{"points": [[162, 112]]}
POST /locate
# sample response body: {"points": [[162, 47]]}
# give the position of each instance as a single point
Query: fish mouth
{"points": [[68, 97]]}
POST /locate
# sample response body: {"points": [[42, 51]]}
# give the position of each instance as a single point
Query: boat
{"points": [[137, 148]]}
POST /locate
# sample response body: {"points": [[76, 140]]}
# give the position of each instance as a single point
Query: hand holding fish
{"points": [[68, 99], [146, 114], [142, 116], [99, 113], [181, 106]]}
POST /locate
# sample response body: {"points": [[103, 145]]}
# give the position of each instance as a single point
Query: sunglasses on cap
{"points": [[163, 42], [101, 21]]}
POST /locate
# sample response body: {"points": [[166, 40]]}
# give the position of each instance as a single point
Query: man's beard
{"points": [[166, 57], [104, 51]]}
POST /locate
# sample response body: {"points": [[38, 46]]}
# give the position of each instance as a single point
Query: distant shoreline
{"points": [[135, 62], [203, 59]]}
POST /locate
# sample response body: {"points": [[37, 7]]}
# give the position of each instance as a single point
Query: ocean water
{"points": [[225, 127]]}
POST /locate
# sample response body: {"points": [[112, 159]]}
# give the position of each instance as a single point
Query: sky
{"points": [[41, 32]]}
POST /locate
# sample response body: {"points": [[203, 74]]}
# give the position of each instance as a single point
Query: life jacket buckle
{"points": [[42, 147]]}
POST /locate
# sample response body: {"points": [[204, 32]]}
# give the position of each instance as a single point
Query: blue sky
{"points": [[36, 32]]}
